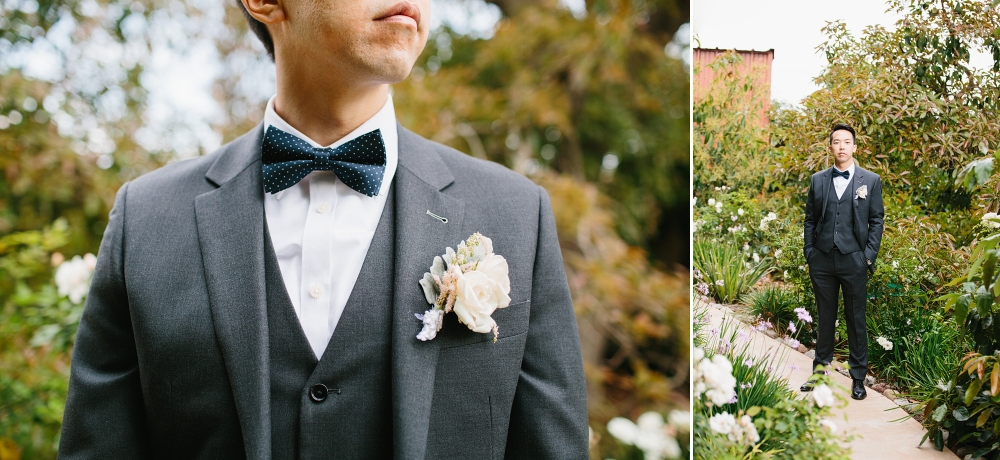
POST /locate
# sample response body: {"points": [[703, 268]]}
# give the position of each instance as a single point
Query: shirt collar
{"points": [[384, 120]]}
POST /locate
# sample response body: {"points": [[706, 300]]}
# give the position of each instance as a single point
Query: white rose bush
{"points": [[472, 281], [650, 434], [743, 407]]}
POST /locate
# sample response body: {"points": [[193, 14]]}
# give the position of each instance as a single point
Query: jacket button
{"points": [[318, 392]]}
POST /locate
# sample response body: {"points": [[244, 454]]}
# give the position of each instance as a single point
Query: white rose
{"points": [[481, 292], [823, 396], [73, 277], [711, 201]]}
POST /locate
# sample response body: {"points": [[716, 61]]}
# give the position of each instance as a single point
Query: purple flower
{"points": [[793, 367], [791, 327], [733, 400], [792, 342], [803, 315], [703, 288]]}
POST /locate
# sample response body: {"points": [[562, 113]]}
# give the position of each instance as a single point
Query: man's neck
{"points": [[845, 166], [324, 110]]}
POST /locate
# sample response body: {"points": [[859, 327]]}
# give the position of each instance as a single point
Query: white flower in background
{"points": [[823, 396], [714, 378], [649, 434], [746, 246], [991, 219], [763, 222], [756, 258], [694, 201], [739, 211], [73, 277], [711, 201], [720, 283], [803, 315], [777, 253], [680, 419], [828, 424], [885, 343], [895, 264], [739, 431], [718, 206]]}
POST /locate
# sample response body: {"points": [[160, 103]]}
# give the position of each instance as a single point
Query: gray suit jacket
{"points": [[171, 358], [868, 212]]}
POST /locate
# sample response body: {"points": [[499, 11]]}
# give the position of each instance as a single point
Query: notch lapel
{"points": [[856, 183], [231, 234], [824, 188], [420, 178]]}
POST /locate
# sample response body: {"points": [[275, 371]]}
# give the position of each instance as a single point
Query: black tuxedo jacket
{"points": [[868, 212]]}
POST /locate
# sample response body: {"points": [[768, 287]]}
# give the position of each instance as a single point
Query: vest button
{"points": [[318, 392]]}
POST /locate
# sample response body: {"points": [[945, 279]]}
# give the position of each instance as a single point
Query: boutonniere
{"points": [[862, 192], [472, 281]]}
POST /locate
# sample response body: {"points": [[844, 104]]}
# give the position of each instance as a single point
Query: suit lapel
{"points": [[231, 234], [825, 185], [420, 178], [856, 183]]}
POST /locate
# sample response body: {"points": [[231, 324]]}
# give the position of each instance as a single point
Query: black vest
{"points": [[352, 418], [837, 227]]}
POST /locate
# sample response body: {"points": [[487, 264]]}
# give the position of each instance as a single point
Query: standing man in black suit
{"points": [[843, 231]]}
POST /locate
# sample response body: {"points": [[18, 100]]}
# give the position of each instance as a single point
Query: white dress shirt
{"points": [[321, 230], [839, 183]]}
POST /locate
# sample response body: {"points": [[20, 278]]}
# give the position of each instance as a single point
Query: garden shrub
{"points": [[766, 419], [966, 410], [726, 270], [773, 303]]}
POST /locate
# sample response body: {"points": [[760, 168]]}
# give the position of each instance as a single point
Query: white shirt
{"points": [[321, 230], [839, 183]]}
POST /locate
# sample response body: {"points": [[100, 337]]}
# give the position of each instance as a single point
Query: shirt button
{"points": [[315, 291], [323, 208]]}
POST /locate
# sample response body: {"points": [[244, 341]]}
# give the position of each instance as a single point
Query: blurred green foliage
{"points": [[589, 106]]}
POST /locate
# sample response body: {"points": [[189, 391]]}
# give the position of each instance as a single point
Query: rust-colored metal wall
{"points": [[754, 62]]}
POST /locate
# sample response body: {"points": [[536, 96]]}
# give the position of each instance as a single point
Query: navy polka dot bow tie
{"points": [[360, 163]]}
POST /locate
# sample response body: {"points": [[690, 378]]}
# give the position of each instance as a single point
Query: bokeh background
{"points": [[587, 98]]}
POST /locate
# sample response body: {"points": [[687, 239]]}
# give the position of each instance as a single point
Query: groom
{"points": [[843, 231], [260, 301]]}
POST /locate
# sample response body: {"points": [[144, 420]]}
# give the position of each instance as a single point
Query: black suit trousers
{"points": [[833, 273]]}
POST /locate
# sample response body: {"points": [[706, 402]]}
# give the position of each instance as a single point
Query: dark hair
{"points": [[843, 127], [259, 29]]}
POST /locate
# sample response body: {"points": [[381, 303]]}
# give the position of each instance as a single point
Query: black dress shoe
{"points": [[858, 390], [808, 386]]}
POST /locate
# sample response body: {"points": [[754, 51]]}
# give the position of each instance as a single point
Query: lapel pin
{"points": [[443, 220]]}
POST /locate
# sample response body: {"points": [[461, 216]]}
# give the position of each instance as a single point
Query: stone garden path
{"points": [[870, 421]]}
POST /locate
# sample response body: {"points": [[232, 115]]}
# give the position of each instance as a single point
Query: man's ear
{"points": [[266, 11]]}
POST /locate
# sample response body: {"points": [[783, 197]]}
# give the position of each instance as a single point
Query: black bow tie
{"points": [[845, 174]]}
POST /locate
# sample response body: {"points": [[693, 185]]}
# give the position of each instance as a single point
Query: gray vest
{"points": [[340, 406], [837, 227]]}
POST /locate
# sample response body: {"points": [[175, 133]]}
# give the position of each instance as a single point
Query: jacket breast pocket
{"points": [[512, 320]]}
